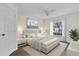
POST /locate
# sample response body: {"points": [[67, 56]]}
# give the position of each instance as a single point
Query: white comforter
{"points": [[41, 43]]}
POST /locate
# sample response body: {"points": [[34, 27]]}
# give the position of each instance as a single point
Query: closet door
{"points": [[7, 30]]}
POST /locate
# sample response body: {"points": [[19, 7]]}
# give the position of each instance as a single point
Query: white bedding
{"points": [[43, 44]]}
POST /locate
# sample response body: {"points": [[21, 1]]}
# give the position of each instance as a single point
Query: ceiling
{"points": [[36, 9]]}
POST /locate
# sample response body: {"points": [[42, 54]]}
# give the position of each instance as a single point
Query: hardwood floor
{"points": [[20, 52]]}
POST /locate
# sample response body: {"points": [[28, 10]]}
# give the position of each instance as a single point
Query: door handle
{"points": [[3, 34]]}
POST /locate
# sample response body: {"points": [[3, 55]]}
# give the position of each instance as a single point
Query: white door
{"points": [[7, 30]]}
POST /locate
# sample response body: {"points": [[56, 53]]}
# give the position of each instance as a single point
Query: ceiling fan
{"points": [[47, 12]]}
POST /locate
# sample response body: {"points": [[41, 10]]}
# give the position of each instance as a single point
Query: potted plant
{"points": [[73, 34]]}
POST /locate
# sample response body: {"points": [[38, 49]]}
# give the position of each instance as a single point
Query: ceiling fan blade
{"points": [[46, 11]]}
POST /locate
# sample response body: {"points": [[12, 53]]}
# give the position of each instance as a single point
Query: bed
{"points": [[45, 44]]}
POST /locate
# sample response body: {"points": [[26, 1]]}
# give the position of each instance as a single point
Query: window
{"points": [[57, 28], [32, 24]]}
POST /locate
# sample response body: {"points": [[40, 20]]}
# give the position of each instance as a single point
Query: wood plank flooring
{"points": [[20, 52]]}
